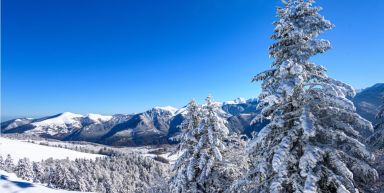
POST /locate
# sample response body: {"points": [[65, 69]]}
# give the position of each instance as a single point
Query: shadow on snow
{"points": [[19, 184]]}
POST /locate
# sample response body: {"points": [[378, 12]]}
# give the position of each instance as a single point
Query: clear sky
{"points": [[122, 56]]}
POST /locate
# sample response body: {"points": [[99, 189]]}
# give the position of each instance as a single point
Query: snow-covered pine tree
{"points": [[182, 181], [62, 177], [210, 148], [24, 169], [312, 143], [38, 172], [9, 166], [191, 121], [1, 163], [108, 185], [235, 160], [201, 147]]}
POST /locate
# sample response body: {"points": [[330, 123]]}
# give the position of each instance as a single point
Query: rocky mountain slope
{"points": [[368, 101]]}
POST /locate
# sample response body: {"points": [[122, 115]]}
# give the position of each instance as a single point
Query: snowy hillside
{"points": [[140, 168], [19, 149], [9, 183], [60, 124]]}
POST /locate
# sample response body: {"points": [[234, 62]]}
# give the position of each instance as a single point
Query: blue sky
{"points": [[121, 56]]}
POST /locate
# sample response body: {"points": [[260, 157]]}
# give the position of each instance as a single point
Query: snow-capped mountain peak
{"points": [[171, 109], [61, 123], [70, 114], [98, 118], [61, 119], [239, 100], [18, 122]]}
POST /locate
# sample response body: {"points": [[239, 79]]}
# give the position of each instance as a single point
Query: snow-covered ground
{"points": [[20, 149], [146, 151], [9, 183]]}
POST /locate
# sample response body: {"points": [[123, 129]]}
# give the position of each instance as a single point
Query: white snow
{"points": [[307, 123], [239, 100], [18, 122], [99, 118], [65, 122], [9, 183], [168, 108], [182, 111], [19, 149], [62, 123], [62, 119]]}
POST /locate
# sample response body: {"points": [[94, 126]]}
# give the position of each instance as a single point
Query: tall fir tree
{"points": [[313, 142], [211, 147], [38, 172], [188, 139], [202, 146]]}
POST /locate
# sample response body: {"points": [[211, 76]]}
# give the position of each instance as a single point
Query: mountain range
{"points": [[158, 124]]}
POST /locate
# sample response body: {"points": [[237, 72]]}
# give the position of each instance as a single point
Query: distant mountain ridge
{"points": [[154, 126], [368, 101], [158, 124]]}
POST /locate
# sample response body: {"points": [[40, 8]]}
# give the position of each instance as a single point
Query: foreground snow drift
{"points": [[9, 183], [19, 149]]}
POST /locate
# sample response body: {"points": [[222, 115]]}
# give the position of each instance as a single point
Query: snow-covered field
{"points": [[9, 183], [20, 149], [75, 145]]}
